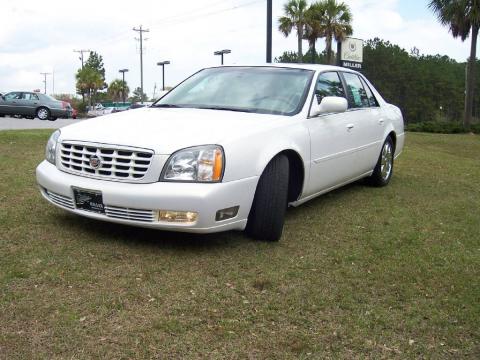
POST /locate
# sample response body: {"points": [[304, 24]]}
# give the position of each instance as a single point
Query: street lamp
{"points": [[123, 71], [222, 52], [162, 64]]}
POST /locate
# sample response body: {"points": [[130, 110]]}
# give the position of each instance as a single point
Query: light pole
{"points": [[269, 31], [222, 52], [123, 71], [162, 64]]}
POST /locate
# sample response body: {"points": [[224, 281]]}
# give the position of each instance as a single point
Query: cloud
{"points": [[35, 39]]}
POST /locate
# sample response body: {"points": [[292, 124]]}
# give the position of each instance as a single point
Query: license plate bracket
{"points": [[89, 200]]}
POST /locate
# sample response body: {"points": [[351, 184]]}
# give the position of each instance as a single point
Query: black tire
{"points": [[384, 169], [43, 113], [52, 118], [267, 215]]}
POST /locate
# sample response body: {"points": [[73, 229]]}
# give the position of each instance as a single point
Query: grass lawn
{"points": [[360, 272]]}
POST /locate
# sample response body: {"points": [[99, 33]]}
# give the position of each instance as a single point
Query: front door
{"points": [[333, 140]]}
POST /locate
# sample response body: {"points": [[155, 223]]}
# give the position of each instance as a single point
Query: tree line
{"points": [[91, 84], [427, 88]]}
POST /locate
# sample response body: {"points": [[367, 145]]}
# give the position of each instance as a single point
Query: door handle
{"points": [[350, 126], [381, 121]]}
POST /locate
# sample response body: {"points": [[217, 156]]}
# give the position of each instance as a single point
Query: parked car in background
{"points": [[228, 149], [31, 105], [138, 105]]}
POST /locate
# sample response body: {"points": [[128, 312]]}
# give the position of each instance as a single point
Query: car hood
{"points": [[168, 130]]}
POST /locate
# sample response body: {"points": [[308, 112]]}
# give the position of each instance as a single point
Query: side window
{"points": [[30, 96], [13, 96], [371, 98], [356, 94], [329, 84]]}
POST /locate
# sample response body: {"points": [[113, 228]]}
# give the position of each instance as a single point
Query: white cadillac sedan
{"points": [[228, 149]]}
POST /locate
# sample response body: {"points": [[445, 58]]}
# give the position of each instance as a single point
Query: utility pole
{"points": [[81, 54], [269, 31], [141, 31], [45, 80]]}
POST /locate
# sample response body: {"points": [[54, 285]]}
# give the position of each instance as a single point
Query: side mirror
{"points": [[329, 104]]}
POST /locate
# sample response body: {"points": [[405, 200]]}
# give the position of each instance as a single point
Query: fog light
{"points": [[177, 216], [228, 213]]}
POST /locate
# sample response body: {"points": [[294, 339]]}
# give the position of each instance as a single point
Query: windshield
{"points": [[267, 90]]}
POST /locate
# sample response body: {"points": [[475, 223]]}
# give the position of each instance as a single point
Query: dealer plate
{"points": [[89, 200]]}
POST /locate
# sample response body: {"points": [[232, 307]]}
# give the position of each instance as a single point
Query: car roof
{"points": [[314, 67]]}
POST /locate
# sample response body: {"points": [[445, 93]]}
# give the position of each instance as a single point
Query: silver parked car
{"points": [[31, 105]]}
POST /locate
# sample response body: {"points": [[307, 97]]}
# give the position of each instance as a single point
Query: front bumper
{"points": [[206, 199]]}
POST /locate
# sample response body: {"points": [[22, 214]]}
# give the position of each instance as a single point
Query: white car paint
{"points": [[335, 149]]}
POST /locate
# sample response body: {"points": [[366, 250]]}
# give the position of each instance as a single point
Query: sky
{"points": [[37, 39]]}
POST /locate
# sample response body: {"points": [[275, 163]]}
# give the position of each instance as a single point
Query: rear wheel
{"points": [[43, 113], [267, 215], [384, 169]]}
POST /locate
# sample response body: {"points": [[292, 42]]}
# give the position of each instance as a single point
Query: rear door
{"points": [[367, 121], [30, 103]]}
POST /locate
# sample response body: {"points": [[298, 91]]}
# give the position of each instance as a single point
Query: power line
{"points": [[81, 54], [141, 31]]}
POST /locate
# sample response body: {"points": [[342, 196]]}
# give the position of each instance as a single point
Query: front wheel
{"points": [[267, 215], [384, 169]]}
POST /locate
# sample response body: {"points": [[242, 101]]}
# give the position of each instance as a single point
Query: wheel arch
{"points": [[297, 174]]}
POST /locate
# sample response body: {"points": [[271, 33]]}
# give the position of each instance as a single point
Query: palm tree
{"points": [[116, 88], [89, 81], [338, 18], [463, 17], [314, 26], [294, 18]]}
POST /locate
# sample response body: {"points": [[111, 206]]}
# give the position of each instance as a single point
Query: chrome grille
{"points": [[115, 163], [130, 214], [60, 200]]}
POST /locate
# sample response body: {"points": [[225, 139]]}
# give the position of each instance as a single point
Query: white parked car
{"points": [[228, 148]]}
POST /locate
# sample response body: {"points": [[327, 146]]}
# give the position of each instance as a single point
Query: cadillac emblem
{"points": [[95, 162]]}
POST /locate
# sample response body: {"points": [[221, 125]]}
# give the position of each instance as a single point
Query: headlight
{"points": [[196, 164], [51, 148]]}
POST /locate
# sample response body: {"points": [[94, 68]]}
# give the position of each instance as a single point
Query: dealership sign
{"points": [[351, 53]]}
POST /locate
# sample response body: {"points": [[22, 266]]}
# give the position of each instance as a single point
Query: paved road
{"points": [[8, 123]]}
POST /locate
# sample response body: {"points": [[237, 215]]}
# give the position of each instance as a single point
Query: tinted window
{"points": [[371, 98], [356, 94], [30, 96], [268, 90], [329, 84], [14, 95]]}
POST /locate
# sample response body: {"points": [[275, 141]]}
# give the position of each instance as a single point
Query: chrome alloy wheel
{"points": [[42, 114], [386, 161]]}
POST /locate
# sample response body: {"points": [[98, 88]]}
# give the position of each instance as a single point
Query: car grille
{"points": [[130, 214], [115, 163], [60, 200], [115, 212]]}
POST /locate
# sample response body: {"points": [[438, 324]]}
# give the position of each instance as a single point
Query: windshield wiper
{"points": [[167, 106], [225, 108]]}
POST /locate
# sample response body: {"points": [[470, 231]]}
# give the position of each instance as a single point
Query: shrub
{"points": [[441, 127]]}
